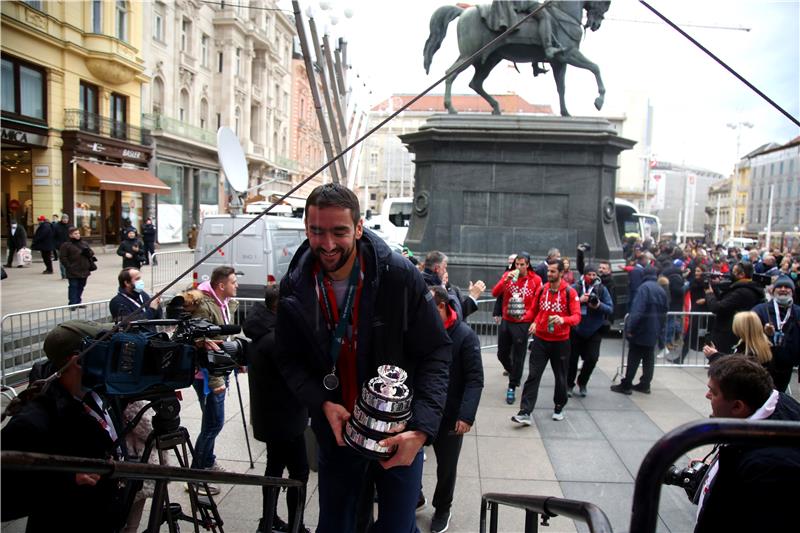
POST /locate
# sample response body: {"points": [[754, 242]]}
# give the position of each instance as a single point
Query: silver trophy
{"points": [[382, 410]]}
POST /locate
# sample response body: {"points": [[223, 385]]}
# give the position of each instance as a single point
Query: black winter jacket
{"points": [[56, 423], [741, 296], [19, 239], [789, 352], [121, 306], [755, 487], [463, 306], [149, 234], [135, 247], [77, 257], [397, 324], [60, 233], [43, 238], [466, 377], [675, 277], [648, 312], [275, 412]]}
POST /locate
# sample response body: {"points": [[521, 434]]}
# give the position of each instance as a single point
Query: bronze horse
{"points": [[522, 46]]}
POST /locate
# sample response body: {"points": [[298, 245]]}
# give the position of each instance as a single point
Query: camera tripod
{"points": [[168, 435]]}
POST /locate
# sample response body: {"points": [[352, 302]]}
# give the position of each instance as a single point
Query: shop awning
{"points": [[113, 178]]}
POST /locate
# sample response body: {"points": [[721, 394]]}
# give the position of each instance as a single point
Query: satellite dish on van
{"points": [[231, 157]]}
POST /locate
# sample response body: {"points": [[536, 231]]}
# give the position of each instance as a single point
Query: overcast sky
{"points": [[693, 97]]}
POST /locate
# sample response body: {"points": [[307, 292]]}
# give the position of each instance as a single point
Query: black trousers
{"points": [[588, 349], [447, 447], [781, 373], [48, 260], [557, 353], [511, 341], [287, 454], [639, 354]]}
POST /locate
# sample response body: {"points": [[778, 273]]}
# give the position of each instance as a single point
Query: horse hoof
{"points": [[452, 111], [565, 113], [598, 103], [496, 112]]}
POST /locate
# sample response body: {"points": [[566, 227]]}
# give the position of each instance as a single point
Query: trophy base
{"points": [[365, 445]]}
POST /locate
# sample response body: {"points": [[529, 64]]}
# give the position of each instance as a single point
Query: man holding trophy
{"points": [[351, 309]]}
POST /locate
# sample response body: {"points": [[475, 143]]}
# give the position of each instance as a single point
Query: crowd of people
{"points": [[348, 305]]}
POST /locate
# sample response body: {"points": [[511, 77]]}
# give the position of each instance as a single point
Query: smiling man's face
{"points": [[332, 237]]}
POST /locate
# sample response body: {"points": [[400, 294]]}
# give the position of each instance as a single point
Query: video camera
{"points": [[140, 361], [688, 478]]}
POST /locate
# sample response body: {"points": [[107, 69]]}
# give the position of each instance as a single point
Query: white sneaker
{"points": [[522, 418], [558, 415], [216, 467]]}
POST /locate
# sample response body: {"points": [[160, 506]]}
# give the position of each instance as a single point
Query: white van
{"points": [[740, 242], [261, 254]]}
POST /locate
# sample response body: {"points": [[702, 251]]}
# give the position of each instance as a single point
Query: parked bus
{"points": [[630, 222]]}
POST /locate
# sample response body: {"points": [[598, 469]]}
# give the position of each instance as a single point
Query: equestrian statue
{"points": [[552, 35]]}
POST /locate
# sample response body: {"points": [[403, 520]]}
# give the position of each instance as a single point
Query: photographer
{"points": [[743, 295], [781, 321], [63, 420], [218, 307], [585, 338], [747, 488], [131, 249]]}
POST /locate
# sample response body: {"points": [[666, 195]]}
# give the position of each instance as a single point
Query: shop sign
{"points": [[41, 181], [23, 137], [113, 151], [41, 171]]}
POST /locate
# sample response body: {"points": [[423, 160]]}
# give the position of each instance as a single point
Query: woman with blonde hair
{"points": [[752, 340]]}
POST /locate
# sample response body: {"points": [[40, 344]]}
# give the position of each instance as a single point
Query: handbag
{"points": [[22, 258]]}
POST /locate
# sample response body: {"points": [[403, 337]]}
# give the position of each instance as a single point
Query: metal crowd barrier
{"points": [[546, 506], [670, 447], [483, 324], [22, 335], [686, 348], [166, 266]]}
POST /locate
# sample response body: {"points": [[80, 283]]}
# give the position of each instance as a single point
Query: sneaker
{"points": [[440, 521], [641, 388], [558, 415], [622, 389], [422, 501], [278, 524], [570, 392], [505, 372], [522, 418], [216, 467], [582, 392], [511, 396]]}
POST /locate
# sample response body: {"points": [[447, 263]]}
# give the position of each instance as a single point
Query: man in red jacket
{"points": [[517, 288], [556, 310]]}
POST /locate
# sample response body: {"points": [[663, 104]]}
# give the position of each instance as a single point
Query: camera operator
{"points": [[218, 307], [747, 488], [585, 338], [742, 295], [131, 296], [64, 420], [781, 321]]}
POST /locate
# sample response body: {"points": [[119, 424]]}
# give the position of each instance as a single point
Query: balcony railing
{"points": [[77, 119], [288, 164], [156, 121]]}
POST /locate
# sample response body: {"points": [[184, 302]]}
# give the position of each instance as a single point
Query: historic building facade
{"points": [[72, 74]]}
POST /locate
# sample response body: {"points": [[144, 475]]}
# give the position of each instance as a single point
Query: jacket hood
{"points": [[260, 321], [373, 249], [206, 289], [650, 274]]}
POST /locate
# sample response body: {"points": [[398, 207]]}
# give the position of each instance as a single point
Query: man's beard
{"points": [[345, 254]]}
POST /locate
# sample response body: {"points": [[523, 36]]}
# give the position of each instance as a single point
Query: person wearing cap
{"points": [[43, 240], [585, 338], [64, 420], [781, 320]]}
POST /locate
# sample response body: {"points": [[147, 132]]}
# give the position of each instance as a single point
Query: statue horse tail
{"points": [[439, 21]]}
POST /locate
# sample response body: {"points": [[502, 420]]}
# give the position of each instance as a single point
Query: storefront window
{"points": [[87, 206], [132, 209], [209, 187], [172, 175]]}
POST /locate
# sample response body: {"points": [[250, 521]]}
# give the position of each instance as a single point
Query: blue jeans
{"points": [[341, 475], [75, 289], [213, 407]]}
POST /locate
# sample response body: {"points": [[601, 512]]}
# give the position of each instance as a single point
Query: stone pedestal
{"points": [[489, 186]]}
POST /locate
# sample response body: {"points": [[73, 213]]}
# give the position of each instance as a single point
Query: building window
{"points": [[204, 50], [97, 16], [286, 102], [219, 120], [183, 110], [122, 20], [119, 115], [219, 62], [89, 118], [238, 64], [789, 187], [209, 187], [158, 27], [373, 159], [254, 114], [203, 113], [23, 89], [186, 35], [237, 116]]}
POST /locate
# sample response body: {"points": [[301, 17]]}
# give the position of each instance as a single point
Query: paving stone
{"points": [[577, 424], [586, 460], [513, 459], [633, 425]]}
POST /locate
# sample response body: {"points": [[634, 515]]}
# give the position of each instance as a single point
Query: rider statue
{"points": [[502, 14]]}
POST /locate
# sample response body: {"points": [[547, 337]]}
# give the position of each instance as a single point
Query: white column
{"points": [[769, 216]]}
